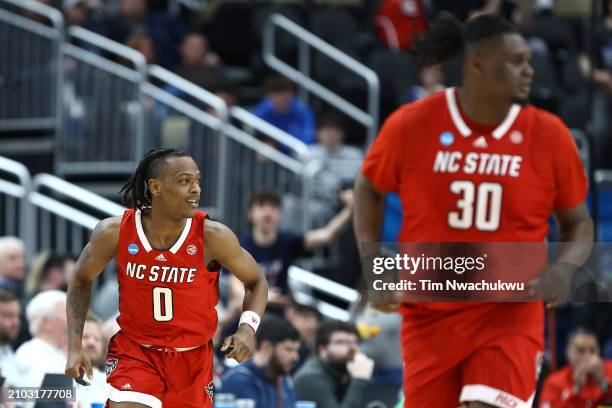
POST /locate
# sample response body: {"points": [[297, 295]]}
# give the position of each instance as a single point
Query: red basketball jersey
{"points": [[166, 298], [463, 182]]}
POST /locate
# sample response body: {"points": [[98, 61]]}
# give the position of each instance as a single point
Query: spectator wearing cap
{"points": [[12, 264], [265, 377], [45, 353], [282, 108], [584, 381]]}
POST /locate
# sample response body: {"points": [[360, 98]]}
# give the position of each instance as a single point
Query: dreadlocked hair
{"points": [[135, 190], [448, 37]]}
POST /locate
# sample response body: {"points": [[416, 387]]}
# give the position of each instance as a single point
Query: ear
{"points": [[155, 187], [473, 64]]}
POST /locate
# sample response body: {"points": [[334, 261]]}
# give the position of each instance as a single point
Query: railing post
{"points": [[304, 65]]}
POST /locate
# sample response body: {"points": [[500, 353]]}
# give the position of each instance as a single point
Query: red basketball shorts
{"points": [[156, 378], [490, 353]]}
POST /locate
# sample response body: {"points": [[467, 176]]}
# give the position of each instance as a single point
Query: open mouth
{"points": [[194, 202]]}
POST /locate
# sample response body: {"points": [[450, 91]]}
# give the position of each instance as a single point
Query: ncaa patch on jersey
{"points": [[133, 249], [192, 249], [446, 138]]}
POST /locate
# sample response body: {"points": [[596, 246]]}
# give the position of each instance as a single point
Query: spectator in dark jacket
{"points": [[337, 377], [264, 378]]}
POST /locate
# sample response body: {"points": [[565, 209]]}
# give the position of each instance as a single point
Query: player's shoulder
{"points": [[558, 377], [108, 228], [216, 233]]}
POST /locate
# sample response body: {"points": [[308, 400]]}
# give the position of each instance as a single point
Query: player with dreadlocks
{"points": [[476, 163], [169, 255]]}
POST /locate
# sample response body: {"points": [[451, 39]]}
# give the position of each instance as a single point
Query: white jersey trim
{"points": [[145, 242], [463, 128], [493, 396], [132, 396]]}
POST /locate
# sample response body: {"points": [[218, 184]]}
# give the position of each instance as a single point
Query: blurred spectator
{"points": [[10, 311], [431, 80], [81, 13], [284, 109], [12, 264], [143, 43], [336, 163], [133, 17], [399, 21], [306, 320], [276, 250], [49, 271], [339, 374], [46, 352], [585, 381], [93, 345], [380, 335], [197, 60], [265, 377]]}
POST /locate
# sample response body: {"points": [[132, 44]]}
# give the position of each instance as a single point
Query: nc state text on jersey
{"points": [[478, 163], [156, 273]]}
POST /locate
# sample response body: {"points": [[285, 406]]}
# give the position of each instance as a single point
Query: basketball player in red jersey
{"points": [[169, 255], [478, 164]]}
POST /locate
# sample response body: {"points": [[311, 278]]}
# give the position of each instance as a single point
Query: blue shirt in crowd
{"points": [[298, 121], [249, 381]]}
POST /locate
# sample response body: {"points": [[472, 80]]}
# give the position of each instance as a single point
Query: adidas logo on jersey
{"points": [[160, 257], [480, 142], [126, 386]]}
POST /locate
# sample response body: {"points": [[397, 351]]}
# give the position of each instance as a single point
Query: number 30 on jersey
{"points": [[478, 205]]}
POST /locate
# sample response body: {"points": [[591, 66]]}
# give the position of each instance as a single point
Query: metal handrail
{"points": [[191, 89], [26, 226], [46, 11], [140, 65], [76, 193], [367, 118], [246, 117]]}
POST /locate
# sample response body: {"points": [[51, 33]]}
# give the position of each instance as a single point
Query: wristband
{"points": [[250, 318]]}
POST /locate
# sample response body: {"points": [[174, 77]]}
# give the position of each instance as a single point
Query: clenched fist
{"points": [[78, 365], [241, 345]]}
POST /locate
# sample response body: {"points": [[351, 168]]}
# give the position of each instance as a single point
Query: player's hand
{"points": [[79, 365], [595, 368], [360, 367], [241, 345], [579, 373], [347, 198], [554, 283]]}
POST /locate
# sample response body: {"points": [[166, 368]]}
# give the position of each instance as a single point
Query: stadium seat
{"points": [[397, 73]]}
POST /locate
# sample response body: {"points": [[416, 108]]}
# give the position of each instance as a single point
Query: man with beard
{"points": [[93, 345], [340, 373], [10, 310], [264, 379]]}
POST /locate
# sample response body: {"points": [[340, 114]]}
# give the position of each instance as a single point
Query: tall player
{"points": [[477, 354], [169, 255]]}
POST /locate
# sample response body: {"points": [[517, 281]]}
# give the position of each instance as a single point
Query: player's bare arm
{"points": [[95, 256], [369, 210], [576, 235], [223, 246]]}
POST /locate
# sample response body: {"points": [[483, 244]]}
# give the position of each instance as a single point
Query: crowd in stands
{"points": [[300, 354]]}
